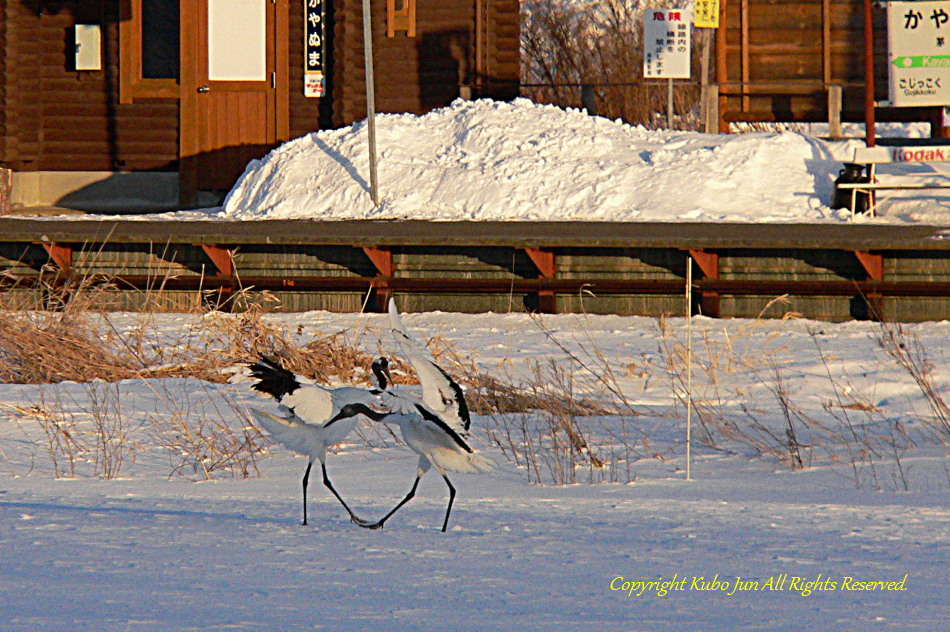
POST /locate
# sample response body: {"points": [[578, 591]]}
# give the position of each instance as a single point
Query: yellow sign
{"points": [[706, 14]]}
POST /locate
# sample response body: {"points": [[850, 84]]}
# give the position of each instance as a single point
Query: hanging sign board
{"points": [[666, 43], [314, 79], [918, 53], [707, 14]]}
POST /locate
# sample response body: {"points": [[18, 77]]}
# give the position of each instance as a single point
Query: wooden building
{"points": [[164, 100], [794, 60]]}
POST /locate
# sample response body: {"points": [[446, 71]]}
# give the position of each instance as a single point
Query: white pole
{"points": [[689, 361], [370, 100]]}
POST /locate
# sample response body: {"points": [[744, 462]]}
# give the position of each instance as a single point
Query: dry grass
{"points": [[89, 430], [206, 432], [80, 345], [563, 420]]}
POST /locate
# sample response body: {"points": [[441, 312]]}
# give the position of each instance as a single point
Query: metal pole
{"points": [[370, 100], [869, 73], [689, 362], [669, 104]]}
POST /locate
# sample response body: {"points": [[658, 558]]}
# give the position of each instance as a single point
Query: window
{"points": [[160, 39], [401, 16], [149, 50]]}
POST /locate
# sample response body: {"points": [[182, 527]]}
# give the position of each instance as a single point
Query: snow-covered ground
{"points": [[159, 548]]}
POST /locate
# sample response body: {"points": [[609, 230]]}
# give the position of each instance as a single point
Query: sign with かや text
{"points": [[918, 53]]}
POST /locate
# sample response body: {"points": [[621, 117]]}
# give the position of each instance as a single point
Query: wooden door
{"points": [[234, 101]]}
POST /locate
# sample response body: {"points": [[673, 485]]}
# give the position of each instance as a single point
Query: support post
{"points": [[589, 99], [873, 264], [711, 122], [869, 102], [708, 263], [221, 258], [370, 100], [834, 111], [722, 72], [62, 258], [224, 266], [59, 254], [704, 35], [669, 104], [382, 258], [544, 262]]}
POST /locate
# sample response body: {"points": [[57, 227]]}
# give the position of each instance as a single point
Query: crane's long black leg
{"points": [[306, 479], [326, 481], [451, 498], [379, 524]]}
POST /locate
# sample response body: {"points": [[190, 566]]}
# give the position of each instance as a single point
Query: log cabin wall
{"points": [[458, 45], [59, 119], [3, 84], [777, 59]]}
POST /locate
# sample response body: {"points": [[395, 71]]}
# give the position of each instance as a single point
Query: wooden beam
{"points": [[60, 254], [544, 261], [826, 42], [224, 264], [708, 263], [873, 264], [744, 50], [382, 258], [869, 98], [834, 111], [188, 143], [722, 73], [221, 258], [282, 79]]}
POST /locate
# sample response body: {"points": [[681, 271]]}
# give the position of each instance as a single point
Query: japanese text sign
{"points": [[314, 80], [707, 14], [918, 37], [666, 43]]}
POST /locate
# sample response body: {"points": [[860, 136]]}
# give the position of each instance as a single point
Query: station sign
{"points": [[918, 39], [314, 69]]}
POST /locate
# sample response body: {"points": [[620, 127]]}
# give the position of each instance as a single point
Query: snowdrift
{"points": [[488, 160]]}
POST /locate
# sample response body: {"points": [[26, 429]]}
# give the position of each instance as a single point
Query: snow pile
{"points": [[488, 160]]}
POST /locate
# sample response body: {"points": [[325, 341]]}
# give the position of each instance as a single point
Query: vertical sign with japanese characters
{"points": [[918, 53], [707, 14], [666, 43], [314, 80]]}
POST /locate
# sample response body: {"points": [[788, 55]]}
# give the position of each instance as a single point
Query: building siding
{"points": [[58, 119]]}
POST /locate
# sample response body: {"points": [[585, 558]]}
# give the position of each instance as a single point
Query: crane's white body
{"points": [[435, 428], [308, 408], [434, 439], [304, 438]]}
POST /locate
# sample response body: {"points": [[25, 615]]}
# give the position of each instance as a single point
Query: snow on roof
{"points": [[490, 160]]}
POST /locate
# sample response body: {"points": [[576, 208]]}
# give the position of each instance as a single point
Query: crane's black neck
{"points": [[352, 410]]}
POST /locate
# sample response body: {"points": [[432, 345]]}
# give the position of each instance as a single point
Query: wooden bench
{"points": [[870, 157]]}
